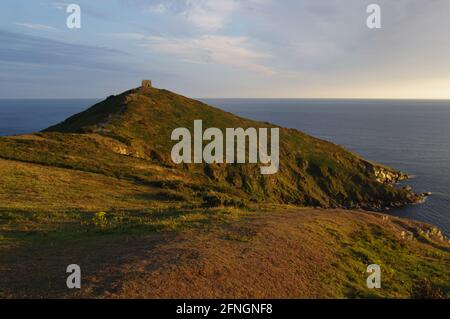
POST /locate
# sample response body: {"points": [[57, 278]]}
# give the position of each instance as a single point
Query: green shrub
{"points": [[100, 220]]}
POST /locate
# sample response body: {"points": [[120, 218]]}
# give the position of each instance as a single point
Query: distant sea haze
{"points": [[409, 135]]}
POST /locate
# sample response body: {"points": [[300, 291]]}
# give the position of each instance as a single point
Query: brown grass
{"points": [[27, 186], [296, 253]]}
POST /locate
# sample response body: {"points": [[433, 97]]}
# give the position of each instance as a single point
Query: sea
{"points": [[409, 135]]}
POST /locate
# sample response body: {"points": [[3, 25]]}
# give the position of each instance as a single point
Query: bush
{"points": [[217, 199], [171, 196], [424, 289], [100, 220]]}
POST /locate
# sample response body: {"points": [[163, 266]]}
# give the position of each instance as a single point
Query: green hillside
{"points": [[127, 136]]}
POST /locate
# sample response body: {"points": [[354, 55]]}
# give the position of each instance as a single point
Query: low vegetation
{"points": [[269, 252]]}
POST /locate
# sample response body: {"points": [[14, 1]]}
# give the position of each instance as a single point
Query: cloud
{"points": [[59, 5], [209, 14], [206, 15], [89, 9], [128, 36], [26, 49], [158, 8], [208, 49], [36, 26]]}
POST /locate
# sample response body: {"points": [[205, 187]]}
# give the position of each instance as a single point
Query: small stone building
{"points": [[146, 84]]}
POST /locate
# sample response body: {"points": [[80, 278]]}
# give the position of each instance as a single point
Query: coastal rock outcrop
{"points": [[386, 176]]}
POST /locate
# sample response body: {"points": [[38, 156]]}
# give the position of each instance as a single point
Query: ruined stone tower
{"points": [[146, 84]]}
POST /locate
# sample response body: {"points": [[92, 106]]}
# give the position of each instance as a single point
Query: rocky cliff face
{"points": [[386, 176]]}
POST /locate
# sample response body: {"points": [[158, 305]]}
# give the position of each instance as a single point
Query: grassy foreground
{"points": [[269, 252]]}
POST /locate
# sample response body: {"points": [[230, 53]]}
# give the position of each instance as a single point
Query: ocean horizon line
{"points": [[244, 98]]}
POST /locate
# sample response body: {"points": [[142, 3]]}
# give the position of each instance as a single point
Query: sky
{"points": [[226, 48]]}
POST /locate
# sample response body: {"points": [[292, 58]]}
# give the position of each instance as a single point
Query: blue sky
{"points": [[226, 48]]}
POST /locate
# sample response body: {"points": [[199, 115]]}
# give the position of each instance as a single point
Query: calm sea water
{"points": [[412, 136], [26, 116]]}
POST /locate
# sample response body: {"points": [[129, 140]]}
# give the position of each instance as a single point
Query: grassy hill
{"points": [[128, 136], [100, 189]]}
